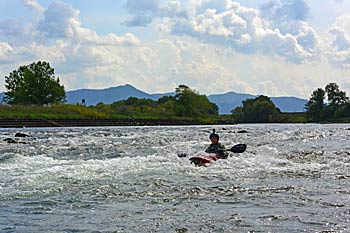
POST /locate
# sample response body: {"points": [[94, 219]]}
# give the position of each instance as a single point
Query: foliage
{"points": [[336, 107], [189, 103], [335, 96], [34, 84], [259, 110], [329, 105], [315, 105], [186, 103]]}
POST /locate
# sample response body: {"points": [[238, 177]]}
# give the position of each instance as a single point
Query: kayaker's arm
{"points": [[212, 150]]}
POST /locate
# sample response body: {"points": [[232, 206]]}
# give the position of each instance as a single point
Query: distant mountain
{"points": [[289, 104], [226, 102], [109, 95]]}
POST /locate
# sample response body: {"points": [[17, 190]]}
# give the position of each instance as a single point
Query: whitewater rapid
{"points": [[292, 178]]}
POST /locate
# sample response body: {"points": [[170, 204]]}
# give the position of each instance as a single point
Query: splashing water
{"points": [[292, 178]]}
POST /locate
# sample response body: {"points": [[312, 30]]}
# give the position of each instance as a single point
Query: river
{"points": [[292, 178]]}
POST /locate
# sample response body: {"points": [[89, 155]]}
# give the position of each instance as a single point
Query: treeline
{"points": [[185, 103], [329, 105], [34, 92], [262, 110], [325, 105], [36, 85]]}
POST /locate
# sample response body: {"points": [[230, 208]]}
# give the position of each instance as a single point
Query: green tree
{"points": [[34, 84], [260, 110], [135, 106], [335, 108], [343, 111], [166, 105], [191, 104], [335, 96], [316, 105]]}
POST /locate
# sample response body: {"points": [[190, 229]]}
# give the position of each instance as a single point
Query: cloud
{"points": [[60, 38], [60, 20], [5, 52], [342, 40], [278, 29], [19, 32], [341, 59], [285, 10], [339, 54], [244, 30], [16, 31], [33, 4], [343, 21], [289, 18], [204, 40], [144, 12]]}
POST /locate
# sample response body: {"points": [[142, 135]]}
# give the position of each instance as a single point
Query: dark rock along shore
{"points": [[20, 123]]}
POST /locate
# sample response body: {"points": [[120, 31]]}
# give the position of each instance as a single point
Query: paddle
{"points": [[239, 148]]}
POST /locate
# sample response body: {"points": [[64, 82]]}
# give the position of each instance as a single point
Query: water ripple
{"points": [[292, 178]]}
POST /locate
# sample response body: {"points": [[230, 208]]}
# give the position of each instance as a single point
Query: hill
{"points": [[226, 102], [109, 95], [289, 104]]}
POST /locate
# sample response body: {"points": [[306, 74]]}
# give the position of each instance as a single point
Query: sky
{"points": [[269, 47]]}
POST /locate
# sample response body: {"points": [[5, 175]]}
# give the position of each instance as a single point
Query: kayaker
{"points": [[216, 147]]}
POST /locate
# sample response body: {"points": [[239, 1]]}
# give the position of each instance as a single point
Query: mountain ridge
{"points": [[226, 101]]}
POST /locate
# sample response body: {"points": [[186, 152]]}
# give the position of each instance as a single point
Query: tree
{"points": [[315, 105], [186, 103], [191, 104], [343, 111], [335, 96], [260, 109], [34, 84], [337, 106]]}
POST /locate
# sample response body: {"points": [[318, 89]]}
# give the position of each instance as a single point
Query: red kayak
{"points": [[203, 160]]}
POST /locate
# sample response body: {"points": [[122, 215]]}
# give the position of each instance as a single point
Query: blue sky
{"points": [[271, 47]]}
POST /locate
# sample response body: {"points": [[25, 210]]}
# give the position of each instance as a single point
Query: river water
{"points": [[292, 178]]}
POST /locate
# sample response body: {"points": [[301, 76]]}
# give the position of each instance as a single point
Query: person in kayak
{"points": [[216, 147]]}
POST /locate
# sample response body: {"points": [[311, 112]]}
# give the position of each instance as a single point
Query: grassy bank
{"points": [[50, 112], [66, 111]]}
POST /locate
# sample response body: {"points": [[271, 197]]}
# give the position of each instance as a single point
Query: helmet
{"points": [[213, 134]]}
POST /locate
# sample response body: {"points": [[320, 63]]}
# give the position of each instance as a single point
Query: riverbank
{"points": [[42, 122]]}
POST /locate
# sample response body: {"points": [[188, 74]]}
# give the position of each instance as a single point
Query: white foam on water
{"points": [[298, 164]]}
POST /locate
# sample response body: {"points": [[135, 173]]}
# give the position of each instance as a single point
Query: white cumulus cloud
{"points": [[5, 52], [243, 29], [285, 10], [60, 20], [342, 40], [339, 53], [241, 48], [33, 4]]}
